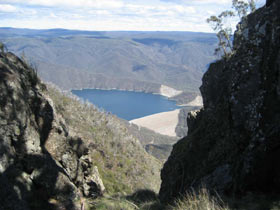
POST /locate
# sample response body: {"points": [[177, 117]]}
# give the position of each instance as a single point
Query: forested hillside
{"points": [[123, 60]]}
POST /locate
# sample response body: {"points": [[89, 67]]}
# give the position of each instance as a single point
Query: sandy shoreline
{"points": [[169, 91], [163, 123]]}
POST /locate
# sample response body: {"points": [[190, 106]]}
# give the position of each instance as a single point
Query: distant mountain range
{"points": [[128, 60]]}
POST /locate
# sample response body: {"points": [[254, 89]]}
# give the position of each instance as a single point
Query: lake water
{"points": [[126, 104]]}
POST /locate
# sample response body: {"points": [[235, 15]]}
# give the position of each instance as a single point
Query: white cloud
{"points": [[216, 2], [112, 14], [110, 23], [199, 2], [101, 12], [158, 11], [211, 1], [182, 9], [70, 3], [7, 8], [52, 15]]}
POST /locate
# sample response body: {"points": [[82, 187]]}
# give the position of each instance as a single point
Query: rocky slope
{"points": [[233, 142], [55, 152]]}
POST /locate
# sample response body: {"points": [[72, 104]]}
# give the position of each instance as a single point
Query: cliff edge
{"points": [[233, 143]]}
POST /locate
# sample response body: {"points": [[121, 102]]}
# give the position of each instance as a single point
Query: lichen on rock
{"points": [[233, 142]]}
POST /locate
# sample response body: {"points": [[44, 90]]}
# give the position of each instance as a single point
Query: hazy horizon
{"points": [[41, 29]]}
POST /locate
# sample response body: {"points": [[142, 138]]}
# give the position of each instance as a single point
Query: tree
{"points": [[223, 30], [242, 8]]}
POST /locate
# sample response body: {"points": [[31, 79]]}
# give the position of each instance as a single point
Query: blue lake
{"points": [[126, 104]]}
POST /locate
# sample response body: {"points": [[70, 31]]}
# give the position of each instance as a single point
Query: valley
{"points": [[140, 120], [163, 63], [134, 61]]}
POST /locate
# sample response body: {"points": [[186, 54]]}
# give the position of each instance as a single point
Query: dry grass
{"points": [[191, 201], [113, 204], [199, 201]]}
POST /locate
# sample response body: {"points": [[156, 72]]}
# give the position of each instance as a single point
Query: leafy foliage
{"points": [[242, 8], [223, 30]]}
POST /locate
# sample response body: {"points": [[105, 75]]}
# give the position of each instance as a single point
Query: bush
{"points": [[142, 196]]}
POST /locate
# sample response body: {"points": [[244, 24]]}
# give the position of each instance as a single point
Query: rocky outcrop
{"points": [[56, 152], [34, 174], [233, 143], [182, 126]]}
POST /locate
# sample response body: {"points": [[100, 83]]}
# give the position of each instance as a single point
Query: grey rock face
{"points": [[233, 142], [34, 171], [182, 126], [95, 180]]}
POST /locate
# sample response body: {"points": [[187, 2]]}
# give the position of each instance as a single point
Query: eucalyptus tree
{"points": [[243, 8], [220, 24], [223, 32]]}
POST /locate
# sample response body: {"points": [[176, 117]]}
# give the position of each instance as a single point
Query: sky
{"points": [[112, 15]]}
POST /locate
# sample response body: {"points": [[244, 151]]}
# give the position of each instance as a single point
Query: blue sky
{"points": [[139, 15]]}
